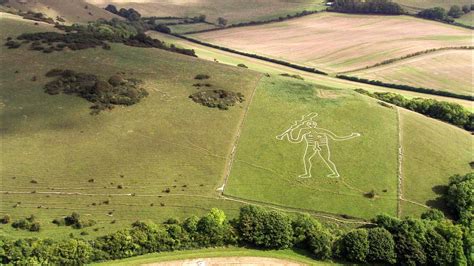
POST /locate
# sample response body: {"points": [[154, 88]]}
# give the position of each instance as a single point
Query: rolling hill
{"points": [[73, 11]]}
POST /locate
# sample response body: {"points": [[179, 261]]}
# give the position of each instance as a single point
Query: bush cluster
{"points": [[37, 16], [292, 76], [29, 224], [104, 94], [385, 7], [407, 87], [74, 220], [452, 113], [440, 14], [130, 14], [218, 98]]}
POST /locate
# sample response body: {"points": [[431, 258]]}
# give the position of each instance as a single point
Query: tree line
{"points": [[452, 113], [431, 240], [384, 7], [407, 87]]}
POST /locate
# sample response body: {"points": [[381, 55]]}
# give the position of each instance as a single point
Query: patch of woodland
{"points": [[104, 94], [217, 98], [452, 113], [385, 7], [92, 35]]}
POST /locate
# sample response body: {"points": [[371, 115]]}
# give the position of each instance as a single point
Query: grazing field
{"points": [[73, 11], [432, 152], [339, 42], [115, 167], [212, 54], [234, 11], [266, 169], [466, 19], [417, 5], [183, 28], [449, 70]]}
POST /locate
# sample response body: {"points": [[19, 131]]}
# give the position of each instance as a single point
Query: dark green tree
{"points": [[455, 12], [355, 245], [381, 246]]}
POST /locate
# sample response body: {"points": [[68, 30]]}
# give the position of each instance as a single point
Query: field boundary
{"points": [[236, 140], [400, 164], [417, 54]]}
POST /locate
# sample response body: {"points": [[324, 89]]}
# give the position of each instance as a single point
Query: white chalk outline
{"points": [[310, 134]]}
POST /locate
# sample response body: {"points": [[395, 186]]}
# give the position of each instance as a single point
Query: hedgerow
{"points": [[407, 87], [452, 113]]}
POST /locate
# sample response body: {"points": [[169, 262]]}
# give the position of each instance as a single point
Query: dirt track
{"points": [[248, 261]]}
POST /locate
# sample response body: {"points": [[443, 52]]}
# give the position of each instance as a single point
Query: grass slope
{"points": [[449, 70], [290, 255], [233, 10], [432, 152], [165, 141], [72, 10], [417, 5], [266, 169], [335, 42]]}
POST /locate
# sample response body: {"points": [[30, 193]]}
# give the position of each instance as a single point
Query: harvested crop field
{"points": [[449, 70], [340, 42], [233, 10]]}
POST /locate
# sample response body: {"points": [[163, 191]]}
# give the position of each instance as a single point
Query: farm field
{"points": [[339, 42], [184, 28], [208, 53], [52, 147], [450, 152], [234, 11], [449, 70], [266, 169]]}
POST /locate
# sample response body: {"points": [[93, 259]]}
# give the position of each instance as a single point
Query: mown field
{"points": [[52, 146], [339, 42], [449, 70], [234, 11], [223, 57], [266, 169]]}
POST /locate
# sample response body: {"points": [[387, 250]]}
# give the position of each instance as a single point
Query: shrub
{"points": [[74, 220], [267, 229], [455, 11], [466, 9], [5, 219], [460, 197], [242, 65], [221, 99], [28, 223], [354, 246], [201, 76], [12, 44], [320, 244], [112, 9], [381, 246]]}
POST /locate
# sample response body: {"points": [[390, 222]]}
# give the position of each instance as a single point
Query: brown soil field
{"points": [[449, 70], [72, 11], [232, 10], [242, 261], [339, 42]]}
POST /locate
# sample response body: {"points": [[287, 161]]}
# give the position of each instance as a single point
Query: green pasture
{"points": [[290, 255], [467, 19], [183, 28], [52, 147], [266, 169], [432, 152]]}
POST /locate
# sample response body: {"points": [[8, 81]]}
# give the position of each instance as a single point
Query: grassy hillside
{"points": [[163, 142], [266, 169], [233, 10], [340, 42], [432, 152], [73, 11], [416, 5], [446, 70]]}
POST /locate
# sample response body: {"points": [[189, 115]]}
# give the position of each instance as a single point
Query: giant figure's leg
{"points": [[308, 155], [325, 154]]}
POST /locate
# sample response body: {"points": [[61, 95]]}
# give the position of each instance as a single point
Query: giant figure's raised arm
{"points": [[339, 138], [299, 138]]}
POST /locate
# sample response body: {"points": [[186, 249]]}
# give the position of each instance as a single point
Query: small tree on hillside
{"points": [[381, 246], [466, 9], [355, 245], [222, 21], [455, 12]]}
